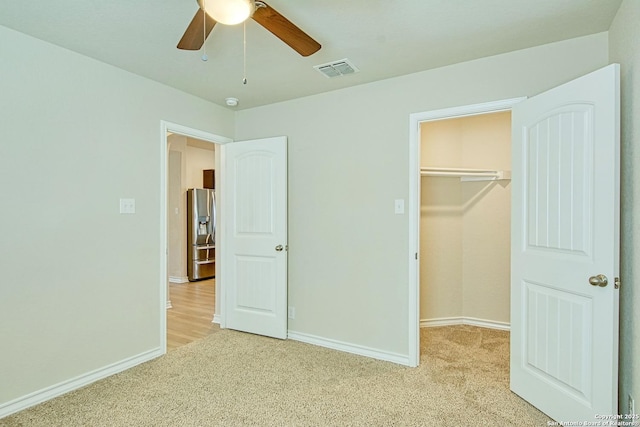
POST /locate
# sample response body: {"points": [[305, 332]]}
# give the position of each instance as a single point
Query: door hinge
{"points": [[617, 283], [416, 255]]}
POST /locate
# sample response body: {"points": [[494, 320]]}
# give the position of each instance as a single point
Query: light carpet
{"points": [[236, 379]]}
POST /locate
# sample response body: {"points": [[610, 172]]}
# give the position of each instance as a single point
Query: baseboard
{"points": [[174, 279], [448, 321], [216, 318], [59, 389], [400, 359]]}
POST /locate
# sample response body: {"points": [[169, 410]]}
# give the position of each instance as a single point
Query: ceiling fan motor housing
{"points": [[228, 12]]}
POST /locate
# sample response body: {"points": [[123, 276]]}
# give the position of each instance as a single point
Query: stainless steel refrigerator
{"points": [[201, 233]]}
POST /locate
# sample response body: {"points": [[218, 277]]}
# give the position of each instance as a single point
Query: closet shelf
{"points": [[467, 174]]}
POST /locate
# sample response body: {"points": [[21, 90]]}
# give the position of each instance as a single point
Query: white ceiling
{"points": [[383, 38]]}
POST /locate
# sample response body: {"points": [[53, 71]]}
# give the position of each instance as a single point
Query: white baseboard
{"points": [[216, 318], [174, 279], [59, 389], [400, 359], [448, 321]]}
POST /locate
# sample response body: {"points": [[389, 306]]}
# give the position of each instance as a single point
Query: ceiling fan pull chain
{"points": [[244, 53], [204, 33]]}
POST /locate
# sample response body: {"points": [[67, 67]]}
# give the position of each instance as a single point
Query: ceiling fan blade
{"points": [[285, 30], [194, 36]]}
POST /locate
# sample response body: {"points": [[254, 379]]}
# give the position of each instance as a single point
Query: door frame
{"points": [[415, 120], [166, 128]]}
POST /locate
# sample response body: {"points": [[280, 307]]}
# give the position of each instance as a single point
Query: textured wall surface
{"points": [[624, 47]]}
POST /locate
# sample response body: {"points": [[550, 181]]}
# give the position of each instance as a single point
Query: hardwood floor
{"points": [[191, 314]]}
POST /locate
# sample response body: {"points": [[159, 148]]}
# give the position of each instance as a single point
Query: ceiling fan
{"points": [[232, 12]]}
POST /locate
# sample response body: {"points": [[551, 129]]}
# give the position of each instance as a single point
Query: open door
{"points": [[565, 248], [255, 236]]}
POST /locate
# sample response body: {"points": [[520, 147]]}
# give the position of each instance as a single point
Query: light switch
{"points": [[127, 206], [399, 206]]}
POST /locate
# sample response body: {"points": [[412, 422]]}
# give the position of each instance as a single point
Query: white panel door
{"points": [[255, 236], [565, 230]]}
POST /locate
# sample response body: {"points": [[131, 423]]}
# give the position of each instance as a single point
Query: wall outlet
{"points": [[631, 406], [291, 312], [127, 206]]}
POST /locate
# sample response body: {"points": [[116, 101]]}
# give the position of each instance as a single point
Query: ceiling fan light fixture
{"points": [[229, 12]]}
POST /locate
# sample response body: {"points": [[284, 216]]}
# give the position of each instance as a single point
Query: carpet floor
{"points": [[236, 379]]}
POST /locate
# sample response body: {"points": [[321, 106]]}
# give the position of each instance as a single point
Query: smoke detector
{"points": [[231, 102], [337, 68]]}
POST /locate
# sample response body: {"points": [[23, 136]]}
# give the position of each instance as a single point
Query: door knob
{"points": [[599, 280], [279, 248]]}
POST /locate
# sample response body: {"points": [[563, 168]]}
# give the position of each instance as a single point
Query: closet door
{"points": [[565, 240]]}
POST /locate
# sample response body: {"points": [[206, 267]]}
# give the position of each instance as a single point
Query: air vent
{"points": [[337, 68]]}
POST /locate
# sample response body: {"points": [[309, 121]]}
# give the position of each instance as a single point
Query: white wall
{"points": [[80, 282], [348, 160], [624, 48], [465, 226]]}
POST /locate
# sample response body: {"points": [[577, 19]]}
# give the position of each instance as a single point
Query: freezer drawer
{"points": [[202, 269], [202, 262]]}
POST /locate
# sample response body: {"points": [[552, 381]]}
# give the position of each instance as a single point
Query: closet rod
{"points": [[467, 174]]}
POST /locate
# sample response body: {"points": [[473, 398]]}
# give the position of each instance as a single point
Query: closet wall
{"points": [[465, 226]]}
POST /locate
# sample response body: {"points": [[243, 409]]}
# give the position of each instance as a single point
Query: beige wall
{"points": [[199, 157], [441, 258], [624, 48], [349, 160], [176, 209], [465, 239], [81, 283]]}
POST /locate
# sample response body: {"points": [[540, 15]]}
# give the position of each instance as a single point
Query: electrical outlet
{"points": [[291, 312], [127, 206], [631, 406]]}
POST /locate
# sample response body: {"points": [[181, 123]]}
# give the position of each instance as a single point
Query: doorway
{"points": [[415, 177], [169, 201], [191, 296], [465, 221]]}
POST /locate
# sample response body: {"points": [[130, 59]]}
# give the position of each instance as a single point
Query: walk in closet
{"points": [[465, 220]]}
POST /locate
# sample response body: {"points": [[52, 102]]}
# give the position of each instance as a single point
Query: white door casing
{"points": [[255, 238], [167, 128], [565, 229]]}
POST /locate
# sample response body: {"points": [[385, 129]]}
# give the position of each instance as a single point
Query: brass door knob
{"points": [[599, 280]]}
